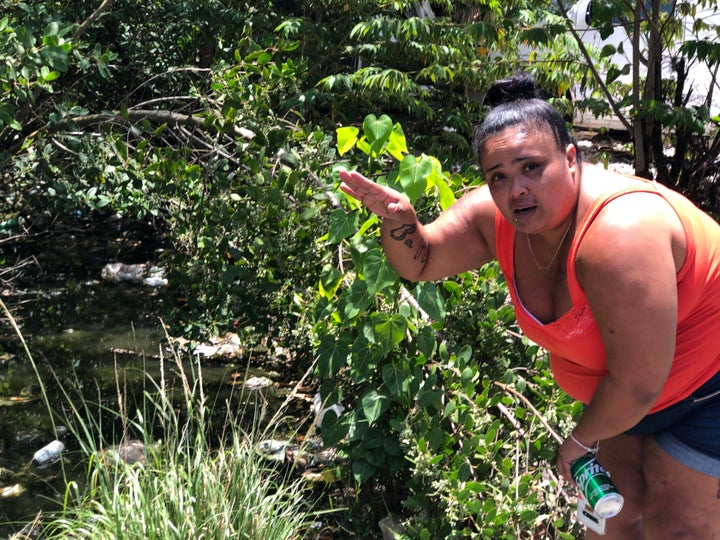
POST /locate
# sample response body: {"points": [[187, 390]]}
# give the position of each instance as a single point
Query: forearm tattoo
{"points": [[403, 234]]}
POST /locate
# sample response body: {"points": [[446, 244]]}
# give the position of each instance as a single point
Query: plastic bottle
{"points": [[48, 454]]}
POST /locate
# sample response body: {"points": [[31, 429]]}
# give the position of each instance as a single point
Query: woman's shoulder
{"points": [[597, 180], [621, 199], [625, 216]]}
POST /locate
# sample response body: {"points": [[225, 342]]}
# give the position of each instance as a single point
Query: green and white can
{"points": [[596, 487]]}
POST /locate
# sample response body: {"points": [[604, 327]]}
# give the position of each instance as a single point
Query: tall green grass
{"points": [[186, 492], [198, 480]]}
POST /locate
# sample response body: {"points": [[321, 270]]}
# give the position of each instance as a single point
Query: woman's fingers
{"points": [[356, 185], [381, 200]]}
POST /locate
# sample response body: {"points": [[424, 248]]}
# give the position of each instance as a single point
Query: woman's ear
{"points": [[571, 155]]}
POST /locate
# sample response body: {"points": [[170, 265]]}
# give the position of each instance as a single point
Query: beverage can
{"points": [[596, 487]]}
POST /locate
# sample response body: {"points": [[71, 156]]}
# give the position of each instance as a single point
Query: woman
{"points": [[618, 278]]}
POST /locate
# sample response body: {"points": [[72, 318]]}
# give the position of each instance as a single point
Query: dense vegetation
{"points": [[222, 125]]}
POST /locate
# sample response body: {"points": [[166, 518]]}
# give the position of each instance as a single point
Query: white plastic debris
{"points": [[48, 454]]}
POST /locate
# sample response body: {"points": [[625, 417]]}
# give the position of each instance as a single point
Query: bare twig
{"points": [[532, 408], [104, 6], [134, 115]]}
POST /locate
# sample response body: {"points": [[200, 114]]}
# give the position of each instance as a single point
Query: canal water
{"points": [[90, 340]]}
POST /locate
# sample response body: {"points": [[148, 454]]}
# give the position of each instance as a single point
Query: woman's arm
{"points": [[460, 239], [627, 266]]}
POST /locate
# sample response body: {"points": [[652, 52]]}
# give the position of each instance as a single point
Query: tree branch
{"points": [[133, 115], [104, 6], [593, 68]]}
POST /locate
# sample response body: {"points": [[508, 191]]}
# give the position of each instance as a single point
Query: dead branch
{"points": [[104, 6]]}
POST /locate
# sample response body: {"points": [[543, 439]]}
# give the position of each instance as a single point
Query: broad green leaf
{"points": [[388, 330], [330, 280], [362, 471], [346, 138], [535, 36], [450, 408], [431, 399], [332, 354], [464, 356], [369, 222], [355, 300], [6, 117], [397, 145], [364, 359], [607, 51], [374, 438], [377, 130], [379, 274], [376, 457], [426, 341], [56, 57], [396, 377], [334, 428], [413, 176], [342, 225], [374, 404], [446, 196], [363, 145], [430, 300]]}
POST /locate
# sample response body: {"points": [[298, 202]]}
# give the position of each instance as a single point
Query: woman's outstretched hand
{"points": [[381, 200]]}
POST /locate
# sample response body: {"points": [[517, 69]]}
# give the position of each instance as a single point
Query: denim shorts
{"points": [[689, 430]]}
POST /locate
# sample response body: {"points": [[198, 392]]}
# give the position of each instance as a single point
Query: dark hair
{"points": [[519, 101]]}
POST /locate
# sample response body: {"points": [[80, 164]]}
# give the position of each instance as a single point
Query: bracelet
{"points": [[590, 449]]}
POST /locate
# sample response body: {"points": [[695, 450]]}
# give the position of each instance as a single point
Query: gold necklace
{"points": [[557, 251]]}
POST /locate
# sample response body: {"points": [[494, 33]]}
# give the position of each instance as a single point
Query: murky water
{"points": [[90, 340]]}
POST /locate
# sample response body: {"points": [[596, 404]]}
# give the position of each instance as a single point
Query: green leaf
{"points": [[342, 225], [388, 330], [369, 222], [430, 300], [446, 196], [334, 428], [396, 377], [346, 138], [330, 280], [332, 354], [430, 399], [607, 51], [355, 300], [373, 439], [6, 117], [377, 131], [426, 341], [397, 145], [376, 457], [413, 176], [362, 471], [378, 272], [55, 57], [364, 359], [535, 36], [374, 404], [364, 146]]}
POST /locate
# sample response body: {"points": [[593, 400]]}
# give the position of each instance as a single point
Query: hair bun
{"points": [[520, 86]]}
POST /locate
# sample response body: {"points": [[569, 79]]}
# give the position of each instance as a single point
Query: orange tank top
{"points": [[577, 353]]}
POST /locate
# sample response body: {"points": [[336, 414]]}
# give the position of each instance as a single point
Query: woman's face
{"points": [[533, 183]]}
